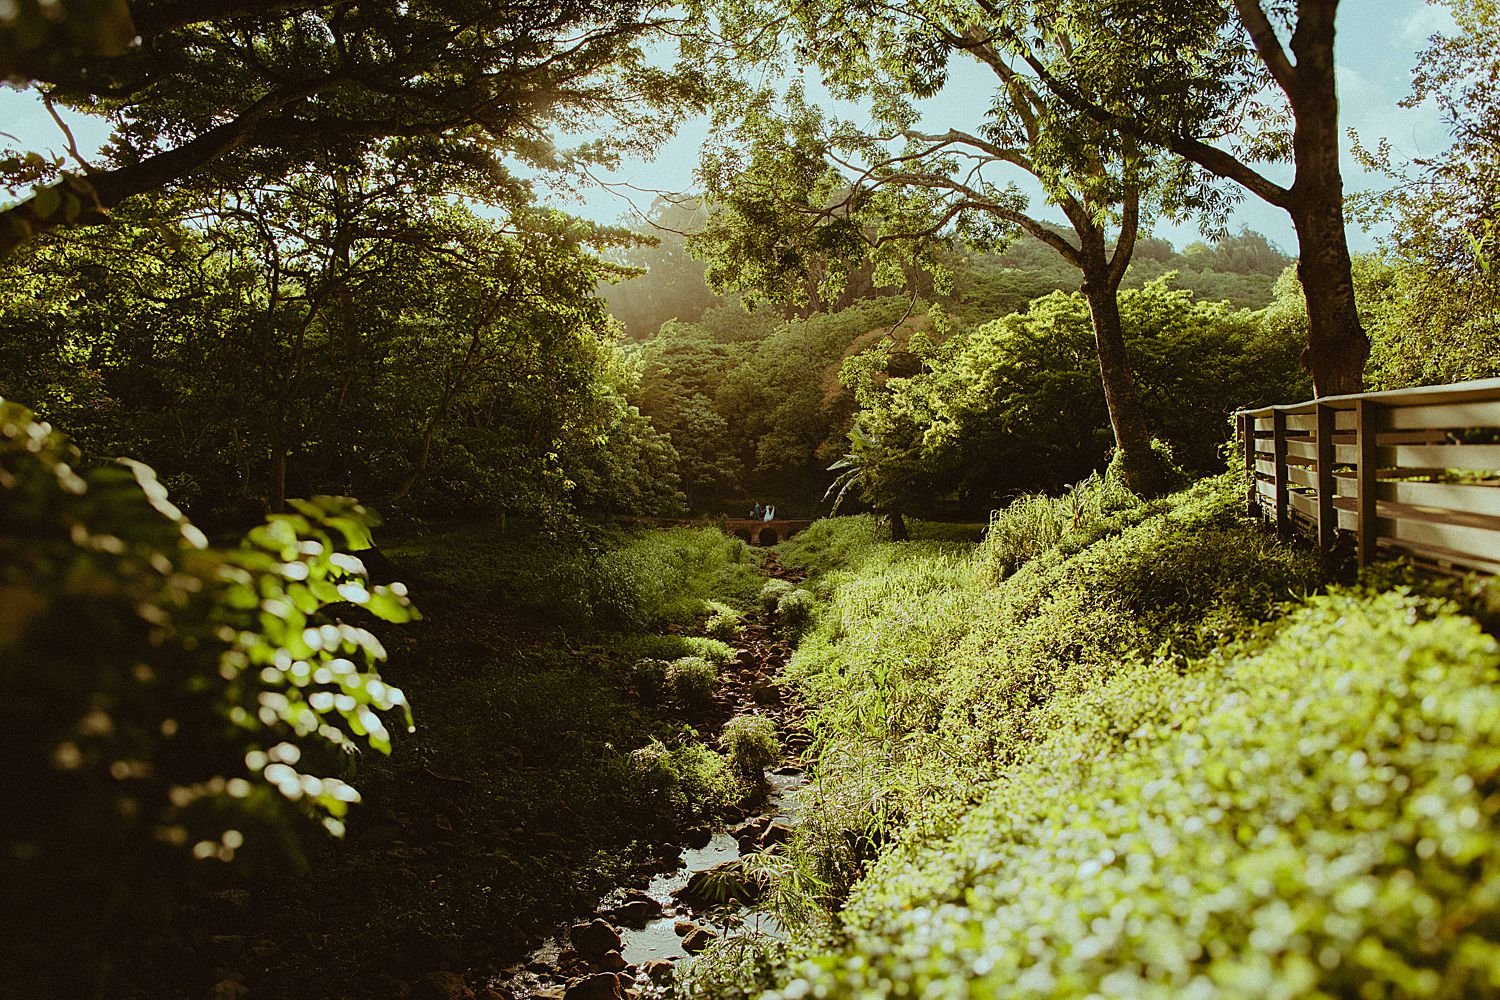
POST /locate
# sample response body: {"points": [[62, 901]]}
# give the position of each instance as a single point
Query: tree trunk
{"points": [[1336, 343], [898, 527], [1127, 417]]}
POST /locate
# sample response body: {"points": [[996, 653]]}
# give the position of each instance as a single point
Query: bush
{"points": [[692, 778], [1289, 820], [692, 680], [650, 678], [724, 623], [163, 699], [795, 607], [772, 592], [750, 742], [1034, 523]]}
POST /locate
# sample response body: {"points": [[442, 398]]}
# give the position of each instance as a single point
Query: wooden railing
{"points": [[1414, 472]]}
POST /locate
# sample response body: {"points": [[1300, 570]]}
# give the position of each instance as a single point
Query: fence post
{"points": [[1328, 517], [1278, 437], [1247, 439], [1365, 436]]}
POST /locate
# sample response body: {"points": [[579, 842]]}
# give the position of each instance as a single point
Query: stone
{"points": [[229, 988], [600, 986], [776, 833], [496, 993], [636, 912], [441, 985], [613, 961], [767, 694], [697, 939], [656, 969], [592, 940], [547, 993], [681, 927], [715, 885]]}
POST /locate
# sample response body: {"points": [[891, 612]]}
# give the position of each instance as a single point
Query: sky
{"points": [[1375, 52]]}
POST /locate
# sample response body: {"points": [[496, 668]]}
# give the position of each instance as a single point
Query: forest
{"points": [[832, 578]]}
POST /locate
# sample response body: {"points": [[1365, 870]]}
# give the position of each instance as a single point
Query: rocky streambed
{"points": [[629, 946]]}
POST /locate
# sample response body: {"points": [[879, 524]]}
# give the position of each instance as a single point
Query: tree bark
{"points": [[1127, 417], [898, 527], [1337, 347]]}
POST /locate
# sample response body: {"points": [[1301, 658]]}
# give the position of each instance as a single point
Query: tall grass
{"points": [[1034, 523]]}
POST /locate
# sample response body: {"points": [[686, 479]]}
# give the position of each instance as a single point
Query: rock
{"points": [[789, 770], [592, 940], [613, 961], [496, 993], [749, 831], [697, 939], [229, 988], [767, 694], [699, 837], [538, 968], [441, 986], [600, 986], [656, 969], [681, 927], [776, 833], [547, 993], [724, 881], [636, 912]]}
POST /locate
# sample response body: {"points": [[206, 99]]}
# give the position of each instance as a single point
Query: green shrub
{"points": [[672, 647], [693, 680], [724, 623], [750, 741], [650, 678], [692, 778], [795, 607], [772, 593], [1034, 523], [1292, 820], [161, 698]]}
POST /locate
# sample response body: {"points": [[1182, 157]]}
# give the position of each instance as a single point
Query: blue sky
{"points": [[1377, 45]]}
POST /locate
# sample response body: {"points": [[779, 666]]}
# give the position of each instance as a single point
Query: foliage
{"points": [[611, 581], [772, 593], [750, 743], [253, 94], [690, 776], [1436, 291], [1335, 801], [692, 680], [724, 623], [1016, 405], [275, 371], [1034, 523], [794, 608], [164, 698]]}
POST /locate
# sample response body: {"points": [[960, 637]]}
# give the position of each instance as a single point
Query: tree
{"points": [[1185, 75], [812, 195], [262, 88], [1437, 316]]}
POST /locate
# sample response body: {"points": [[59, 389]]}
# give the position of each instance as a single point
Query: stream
{"points": [[627, 947]]}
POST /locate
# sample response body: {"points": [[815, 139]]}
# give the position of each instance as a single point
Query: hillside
{"points": [[1165, 756]]}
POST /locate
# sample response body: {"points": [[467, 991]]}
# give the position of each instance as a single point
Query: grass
{"points": [[1155, 756]]}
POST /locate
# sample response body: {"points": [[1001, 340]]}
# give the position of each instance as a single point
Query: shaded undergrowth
{"points": [[519, 798]]}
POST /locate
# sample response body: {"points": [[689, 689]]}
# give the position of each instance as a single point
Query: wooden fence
{"points": [[1411, 471]]}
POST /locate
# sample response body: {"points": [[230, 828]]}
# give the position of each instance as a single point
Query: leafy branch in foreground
{"points": [[161, 697]]}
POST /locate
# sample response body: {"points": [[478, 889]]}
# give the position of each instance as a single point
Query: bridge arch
{"points": [[767, 537]]}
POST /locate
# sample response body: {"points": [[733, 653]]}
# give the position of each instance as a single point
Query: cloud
{"points": [[1424, 22]]}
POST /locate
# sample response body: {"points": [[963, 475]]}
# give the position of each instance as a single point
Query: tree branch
{"points": [[1268, 45]]}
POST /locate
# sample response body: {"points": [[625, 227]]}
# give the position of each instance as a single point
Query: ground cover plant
{"points": [[1162, 760]]}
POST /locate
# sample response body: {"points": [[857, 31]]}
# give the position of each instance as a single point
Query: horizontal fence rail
{"points": [[1414, 472]]}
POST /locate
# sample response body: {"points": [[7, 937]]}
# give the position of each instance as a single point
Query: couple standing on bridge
{"points": [[766, 513]]}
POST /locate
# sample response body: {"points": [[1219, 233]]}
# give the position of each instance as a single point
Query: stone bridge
{"points": [[758, 532]]}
